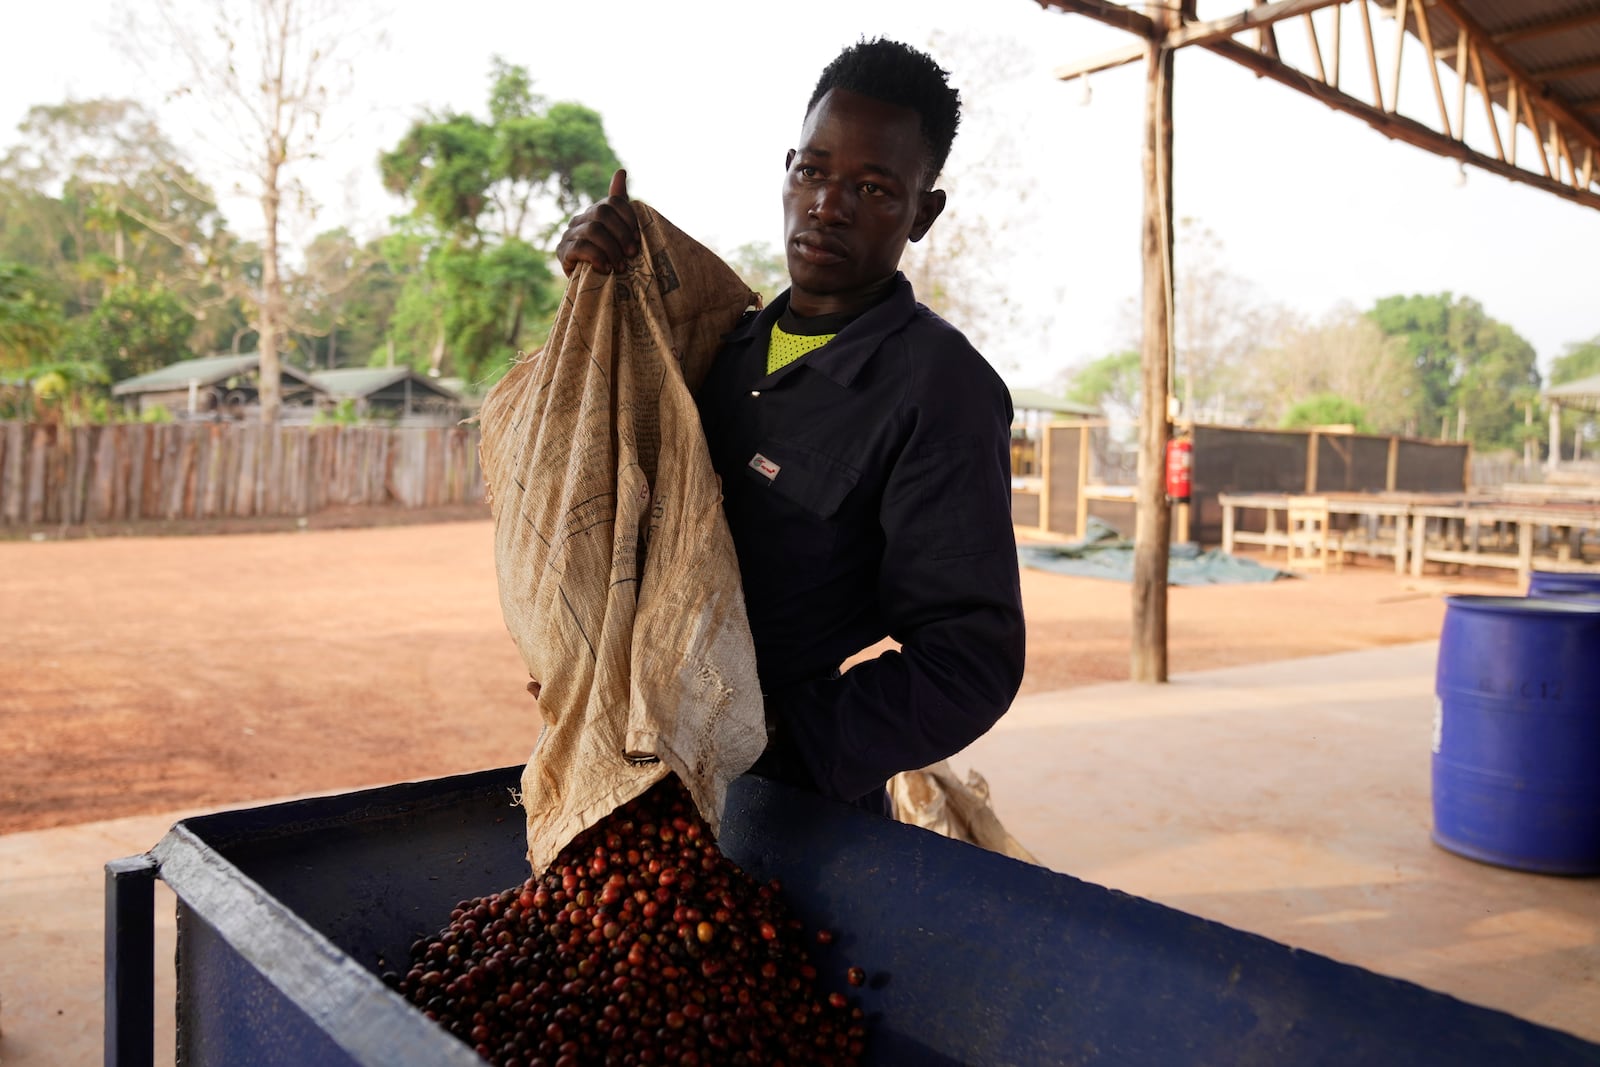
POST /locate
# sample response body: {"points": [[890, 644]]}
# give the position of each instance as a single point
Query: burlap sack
{"points": [[618, 578], [935, 799]]}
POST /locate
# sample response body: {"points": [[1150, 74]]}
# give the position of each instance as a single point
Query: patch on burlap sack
{"points": [[618, 577], [935, 799]]}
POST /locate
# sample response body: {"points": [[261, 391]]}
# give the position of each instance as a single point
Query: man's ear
{"points": [[788, 161], [929, 206]]}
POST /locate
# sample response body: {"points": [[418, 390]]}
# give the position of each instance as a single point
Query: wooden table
{"points": [[1470, 531], [1558, 528], [1374, 510]]}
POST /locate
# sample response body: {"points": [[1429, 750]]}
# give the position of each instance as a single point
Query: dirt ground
{"points": [[150, 674]]}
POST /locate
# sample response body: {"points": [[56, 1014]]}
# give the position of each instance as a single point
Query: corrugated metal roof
{"points": [[208, 370], [1583, 393], [364, 381], [1039, 400], [203, 372], [1555, 42]]}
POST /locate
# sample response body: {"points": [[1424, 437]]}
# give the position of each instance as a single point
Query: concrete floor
{"points": [[1293, 800], [1289, 799]]}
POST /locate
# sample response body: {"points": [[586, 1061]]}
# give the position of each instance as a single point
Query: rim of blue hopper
{"points": [[1522, 605]]}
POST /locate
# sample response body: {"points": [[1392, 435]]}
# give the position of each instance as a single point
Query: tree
{"points": [[268, 86], [1221, 324], [132, 331], [1580, 360], [1345, 355], [965, 266], [1112, 383], [1326, 409], [761, 267], [96, 197], [1470, 369], [30, 317], [69, 392], [488, 199], [340, 300]]}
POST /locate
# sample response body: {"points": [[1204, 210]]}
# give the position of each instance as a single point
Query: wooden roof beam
{"points": [[1117, 57], [1254, 19], [1257, 18], [1109, 13], [1555, 108], [1395, 126]]}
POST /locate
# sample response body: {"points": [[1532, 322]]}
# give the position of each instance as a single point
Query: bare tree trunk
{"points": [[269, 321], [272, 304], [436, 361], [516, 320]]}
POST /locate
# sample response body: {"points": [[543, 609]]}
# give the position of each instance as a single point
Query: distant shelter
{"points": [[215, 388], [395, 394]]}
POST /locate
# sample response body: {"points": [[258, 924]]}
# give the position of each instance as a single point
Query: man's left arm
{"points": [[950, 589]]}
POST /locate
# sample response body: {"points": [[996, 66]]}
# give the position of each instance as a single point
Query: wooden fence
{"points": [[131, 472]]}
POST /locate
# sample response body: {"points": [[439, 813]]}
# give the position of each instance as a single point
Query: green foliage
{"points": [[1580, 360], [1327, 409], [71, 392], [343, 413], [762, 268], [472, 178], [96, 197], [342, 301], [488, 199], [132, 331], [1466, 362], [30, 318], [157, 413], [127, 241], [1110, 382]]}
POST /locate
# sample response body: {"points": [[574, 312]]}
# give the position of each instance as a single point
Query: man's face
{"points": [[852, 198]]}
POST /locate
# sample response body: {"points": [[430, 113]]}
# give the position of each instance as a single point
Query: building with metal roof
{"points": [[1039, 400], [397, 393], [214, 387]]}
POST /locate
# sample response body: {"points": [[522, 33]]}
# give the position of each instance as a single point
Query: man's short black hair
{"points": [[898, 74]]}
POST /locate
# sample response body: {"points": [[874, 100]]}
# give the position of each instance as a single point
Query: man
{"points": [[864, 450]]}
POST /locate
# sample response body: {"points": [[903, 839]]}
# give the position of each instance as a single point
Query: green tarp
{"points": [[1105, 553]]}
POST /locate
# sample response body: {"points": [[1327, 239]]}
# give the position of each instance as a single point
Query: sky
{"points": [[701, 99]]}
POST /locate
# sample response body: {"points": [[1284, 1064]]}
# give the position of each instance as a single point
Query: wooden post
{"points": [[1392, 477], [1555, 437], [1083, 482], [1045, 474], [1153, 522], [1312, 442]]}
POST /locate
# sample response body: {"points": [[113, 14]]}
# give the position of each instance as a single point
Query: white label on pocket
{"points": [[762, 465]]}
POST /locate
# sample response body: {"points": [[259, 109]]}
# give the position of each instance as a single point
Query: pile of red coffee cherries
{"points": [[642, 944]]}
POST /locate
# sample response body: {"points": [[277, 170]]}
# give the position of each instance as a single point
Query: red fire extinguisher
{"points": [[1180, 468]]}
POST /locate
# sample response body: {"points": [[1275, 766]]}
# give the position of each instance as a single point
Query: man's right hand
{"points": [[605, 235]]}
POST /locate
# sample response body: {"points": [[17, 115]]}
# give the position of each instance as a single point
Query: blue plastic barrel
{"points": [[1516, 742], [1562, 584]]}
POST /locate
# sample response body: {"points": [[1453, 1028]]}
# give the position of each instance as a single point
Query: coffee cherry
{"points": [[641, 944]]}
